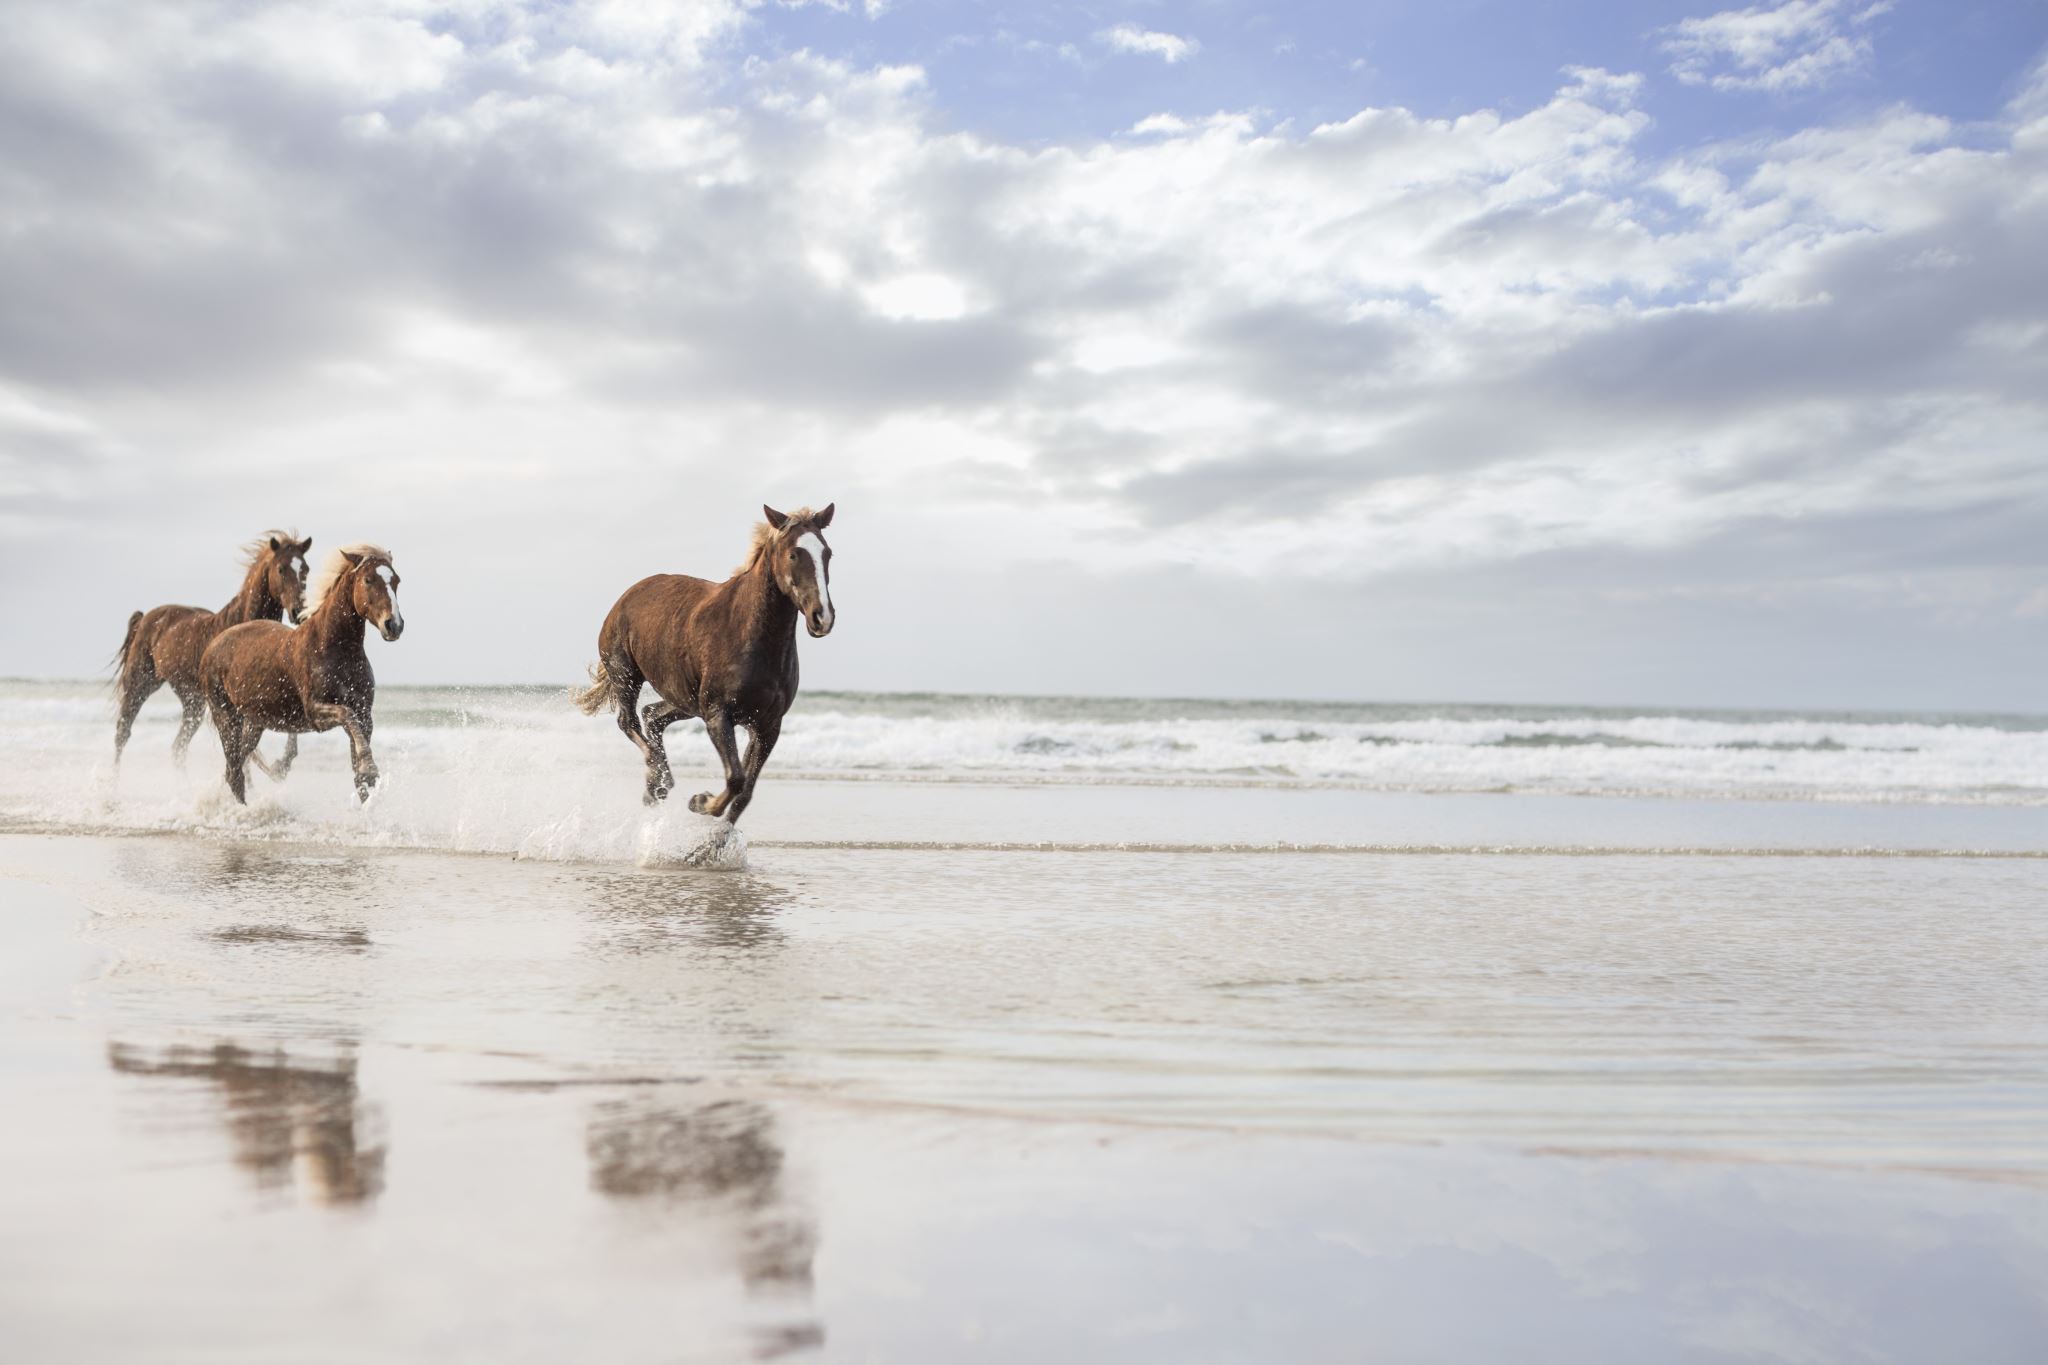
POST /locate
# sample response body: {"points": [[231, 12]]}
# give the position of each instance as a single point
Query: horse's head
{"points": [[373, 592], [802, 564], [283, 562]]}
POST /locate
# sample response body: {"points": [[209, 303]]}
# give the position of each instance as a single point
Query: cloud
{"points": [[1129, 38], [1799, 45], [591, 276]]}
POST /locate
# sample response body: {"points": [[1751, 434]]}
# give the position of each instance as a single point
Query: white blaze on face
{"points": [[809, 541], [384, 576]]}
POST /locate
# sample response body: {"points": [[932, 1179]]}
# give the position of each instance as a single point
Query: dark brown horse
{"points": [[724, 652], [163, 645], [262, 676]]}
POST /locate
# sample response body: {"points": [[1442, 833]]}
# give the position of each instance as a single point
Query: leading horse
{"points": [[723, 652], [262, 676], [164, 644]]}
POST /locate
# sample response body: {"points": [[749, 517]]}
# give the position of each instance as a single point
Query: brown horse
{"points": [[262, 676], [164, 645], [724, 652]]}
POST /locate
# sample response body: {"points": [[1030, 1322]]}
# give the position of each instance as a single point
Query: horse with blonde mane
{"points": [[262, 676], [723, 652], [164, 644]]}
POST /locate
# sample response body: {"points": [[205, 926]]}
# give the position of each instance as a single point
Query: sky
{"points": [[1483, 350]]}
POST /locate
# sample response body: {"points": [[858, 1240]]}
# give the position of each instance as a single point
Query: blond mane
{"points": [[763, 533], [336, 565]]}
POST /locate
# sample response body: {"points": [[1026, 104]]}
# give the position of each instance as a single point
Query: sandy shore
{"points": [[277, 1101]]}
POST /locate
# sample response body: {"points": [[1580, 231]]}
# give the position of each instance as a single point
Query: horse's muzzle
{"points": [[392, 628], [818, 626], [298, 616]]}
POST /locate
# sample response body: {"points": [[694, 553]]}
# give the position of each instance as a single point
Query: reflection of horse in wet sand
{"points": [[722, 652], [280, 1109], [263, 676], [164, 644], [712, 1158]]}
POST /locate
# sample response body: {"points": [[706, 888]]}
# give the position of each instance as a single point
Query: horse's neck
{"points": [[768, 614], [255, 602], [337, 625]]}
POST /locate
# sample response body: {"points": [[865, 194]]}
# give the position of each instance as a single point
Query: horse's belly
{"points": [[271, 702]]}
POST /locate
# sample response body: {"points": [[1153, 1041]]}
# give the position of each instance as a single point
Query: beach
{"points": [[1174, 1043]]}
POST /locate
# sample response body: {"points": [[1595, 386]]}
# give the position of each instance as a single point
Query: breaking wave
{"points": [[520, 771]]}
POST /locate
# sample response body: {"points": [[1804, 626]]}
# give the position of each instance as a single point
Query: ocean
{"points": [[518, 770]]}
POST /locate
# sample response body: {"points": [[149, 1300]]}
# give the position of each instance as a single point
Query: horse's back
{"points": [[651, 607], [666, 590]]}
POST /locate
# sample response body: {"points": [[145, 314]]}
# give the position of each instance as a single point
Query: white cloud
{"points": [[1799, 45], [920, 297], [1386, 345], [1160, 124], [1146, 43]]}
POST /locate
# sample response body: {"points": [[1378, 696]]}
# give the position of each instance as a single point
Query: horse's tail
{"points": [[590, 700], [127, 644]]}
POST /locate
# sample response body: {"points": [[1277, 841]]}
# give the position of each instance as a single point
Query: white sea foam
{"points": [[521, 771]]}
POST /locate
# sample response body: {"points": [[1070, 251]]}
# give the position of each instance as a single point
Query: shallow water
{"points": [[1123, 1050]]}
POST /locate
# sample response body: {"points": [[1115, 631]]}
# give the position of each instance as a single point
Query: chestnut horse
{"points": [[262, 676], [724, 652], [163, 645]]}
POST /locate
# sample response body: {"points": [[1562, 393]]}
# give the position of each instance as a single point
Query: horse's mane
{"points": [[763, 533], [258, 547], [335, 565]]}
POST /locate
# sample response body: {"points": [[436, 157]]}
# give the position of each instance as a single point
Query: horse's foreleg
{"points": [[718, 725], [327, 715], [760, 743], [277, 771], [657, 717], [195, 712]]}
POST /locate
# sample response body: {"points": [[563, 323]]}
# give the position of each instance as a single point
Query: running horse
{"points": [[722, 652], [263, 676], [164, 644]]}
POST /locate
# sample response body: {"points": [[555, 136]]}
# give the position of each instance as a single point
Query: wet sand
{"points": [[276, 1101]]}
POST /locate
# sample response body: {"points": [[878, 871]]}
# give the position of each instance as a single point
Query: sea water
{"points": [[519, 770]]}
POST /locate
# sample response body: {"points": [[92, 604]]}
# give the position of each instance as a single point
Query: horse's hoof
{"points": [[700, 801]]}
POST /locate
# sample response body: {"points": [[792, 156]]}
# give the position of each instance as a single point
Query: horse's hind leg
{"points": [[658, 716], [718, 725], [238, 740], [195, 711], [277, 771], [136, 687], [626, 681]]}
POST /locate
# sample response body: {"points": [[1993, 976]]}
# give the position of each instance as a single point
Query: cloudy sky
{"points": [[1629, 352]]}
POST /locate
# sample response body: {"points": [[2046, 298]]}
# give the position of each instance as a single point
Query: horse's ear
{"points": [[277, 542], [352, 557], [305, 544], [824, 518], [775, 518]]}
